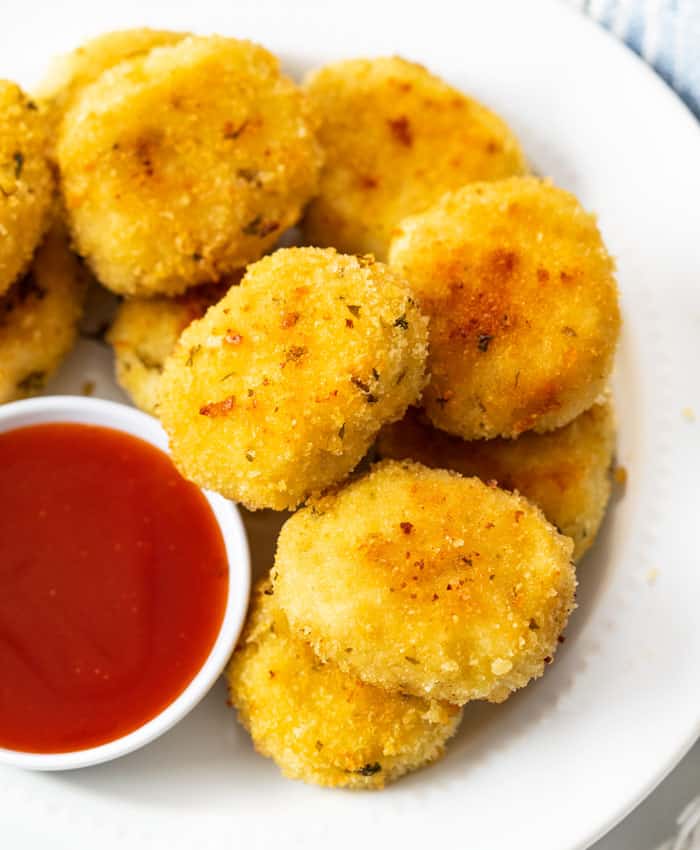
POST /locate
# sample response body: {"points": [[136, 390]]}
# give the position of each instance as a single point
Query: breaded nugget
{"points": [[523, 306], [426, 582], [395, 138], [282, 387], [69, 74], [39, 318], [185, 164], [566, 472], [26, 182], [144, 334], [322, 725]]}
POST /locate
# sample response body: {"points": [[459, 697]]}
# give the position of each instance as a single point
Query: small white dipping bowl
{"points": [[88, 411]]}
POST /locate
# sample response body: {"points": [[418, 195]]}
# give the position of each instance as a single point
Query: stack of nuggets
{"points": [[472, 348], [179, 160], [411, 590], [418, 582]]}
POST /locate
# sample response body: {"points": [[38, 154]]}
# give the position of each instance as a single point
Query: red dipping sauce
{"points": [[113, 585]]}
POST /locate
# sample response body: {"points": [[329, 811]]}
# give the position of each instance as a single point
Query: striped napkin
{"points": [[665, 33]]}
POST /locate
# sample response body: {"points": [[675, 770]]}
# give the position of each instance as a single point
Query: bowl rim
{"points": [[109, 414]]}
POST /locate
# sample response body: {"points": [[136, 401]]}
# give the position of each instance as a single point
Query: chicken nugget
{"points": [[282, 387], [566, 472], [69, 74], [395, 138], [422, 581], [144, 333], [320, 724], [182, 165], [39, 318], [523, 305], [26, 182]]}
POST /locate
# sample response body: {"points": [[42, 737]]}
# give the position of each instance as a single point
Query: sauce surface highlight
{"points": [[113, 585]]}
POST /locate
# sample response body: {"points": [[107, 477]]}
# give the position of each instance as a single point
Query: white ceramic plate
{"points": [[558, 764]]}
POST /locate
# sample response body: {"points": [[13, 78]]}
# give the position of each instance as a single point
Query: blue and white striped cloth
{"points": [[665, 33]]}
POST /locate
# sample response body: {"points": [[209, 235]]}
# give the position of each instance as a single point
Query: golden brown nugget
{"points": [[69, 74], [322, 725], [523, 305], [39, 318], [395, 138], [26, 182], [566, 472], [144, 334], [422, 581], [281, 388], [185, 164]]}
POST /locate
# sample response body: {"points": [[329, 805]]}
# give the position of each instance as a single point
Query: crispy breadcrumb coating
{"points": [[281, 388], [39, 318], [70, 73], [144, 333], [422, 581], [523, 305], [566, 472], [395, 138], [182, 165], [26, 182], [320, 724]]}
